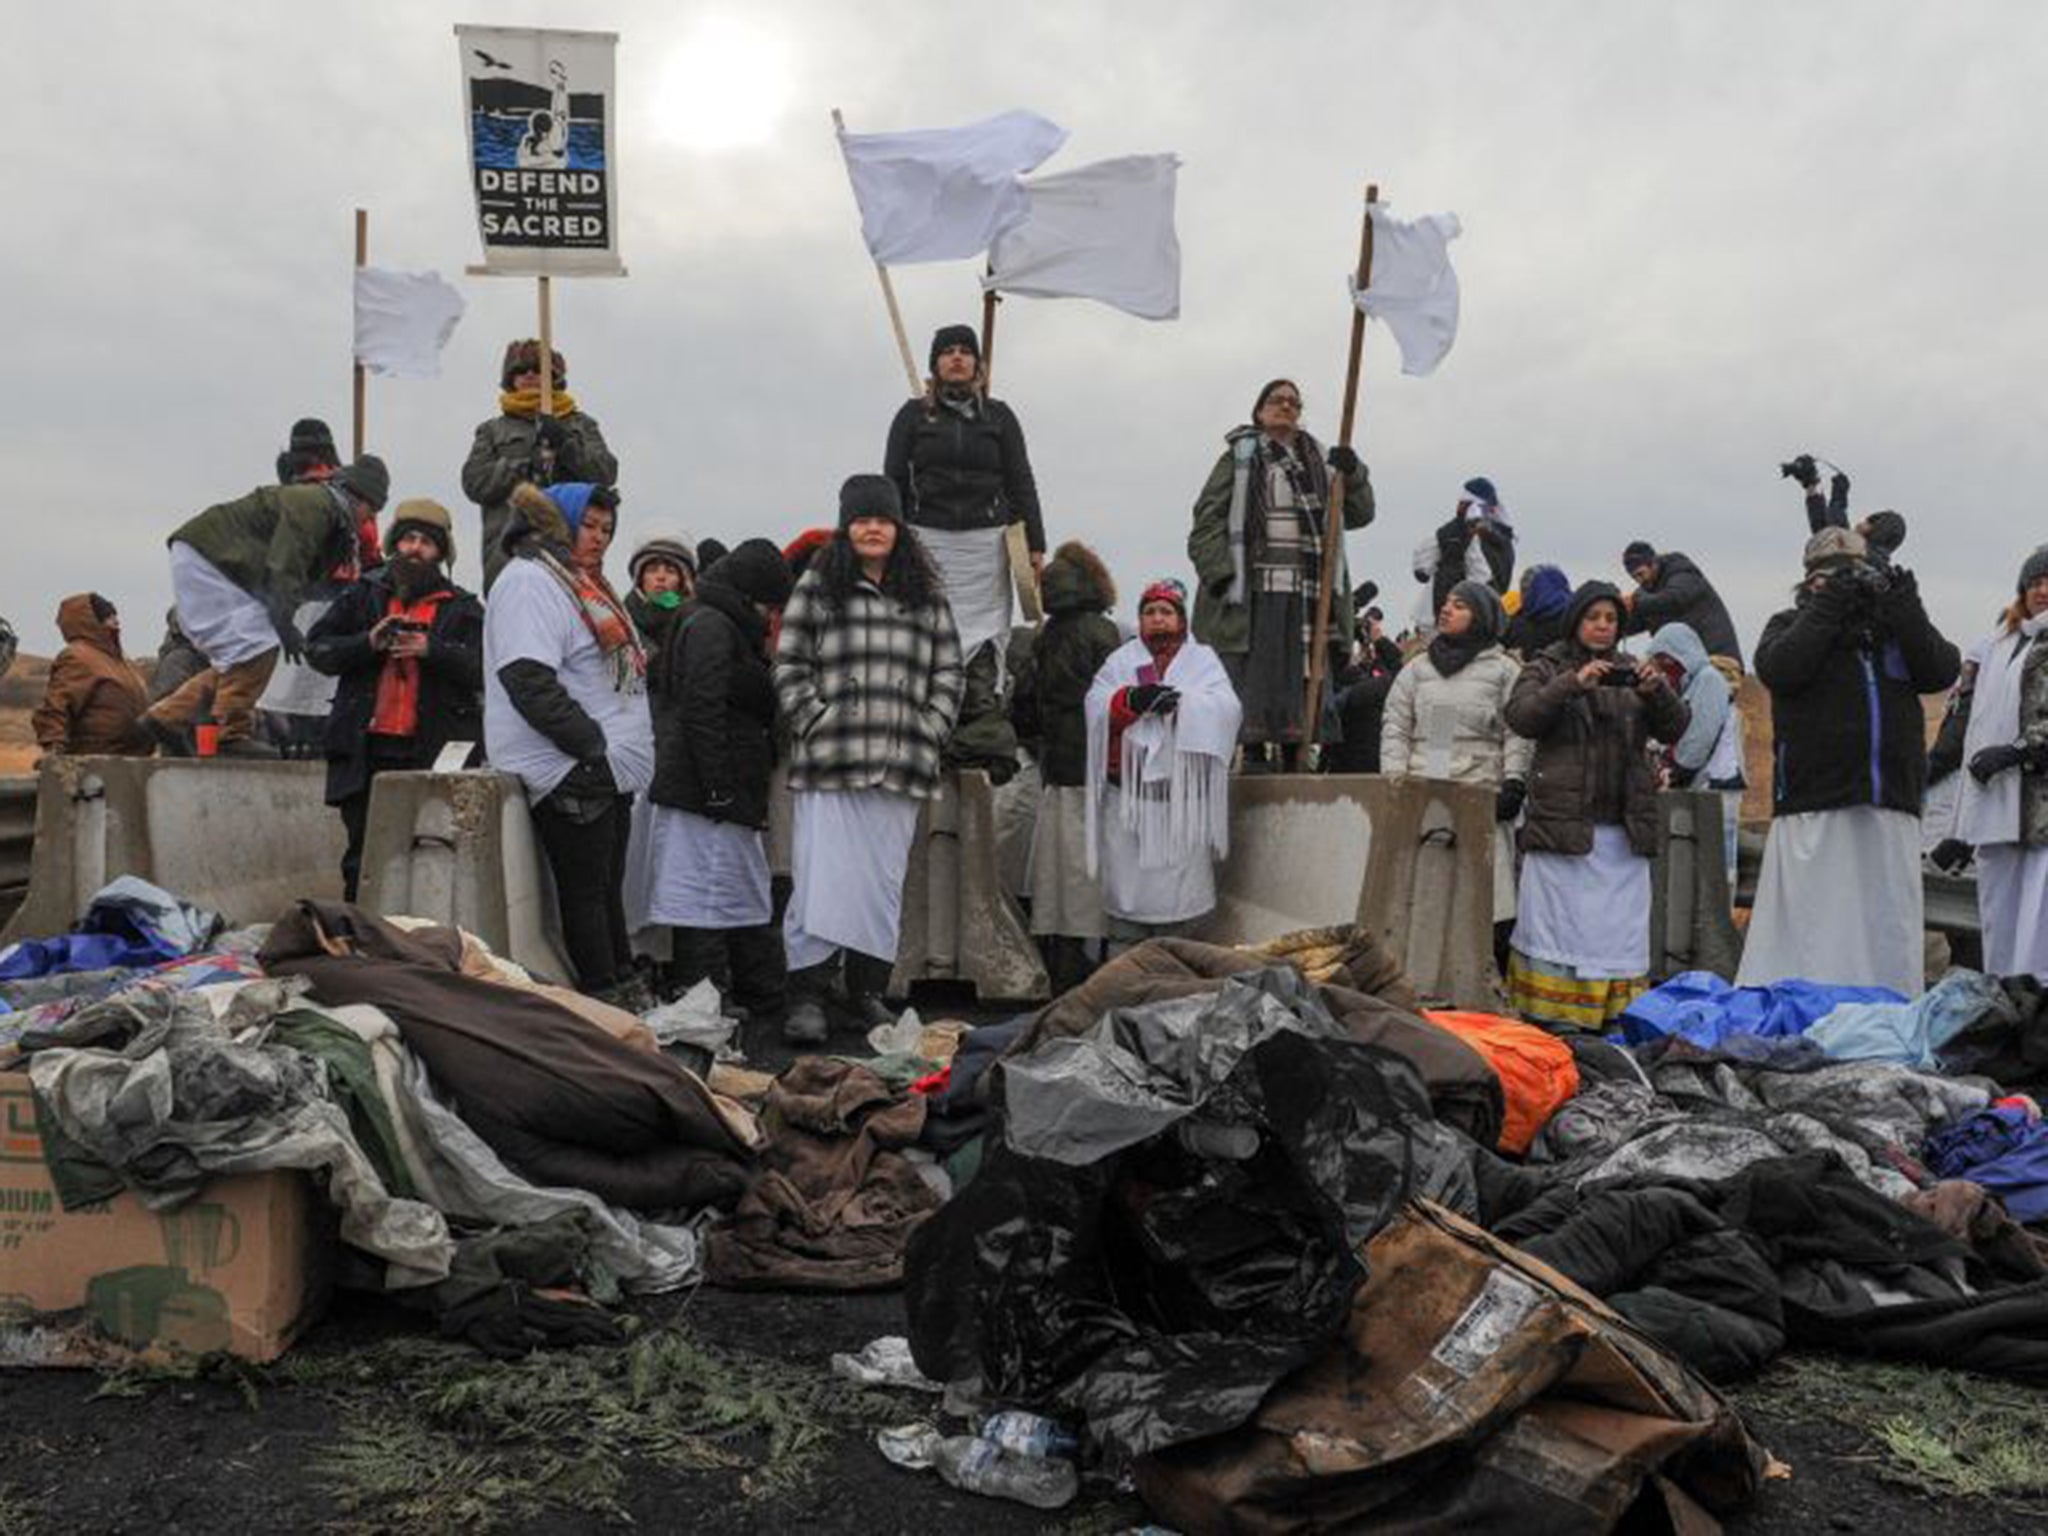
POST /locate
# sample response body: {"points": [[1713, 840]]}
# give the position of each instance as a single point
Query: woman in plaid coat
{"points": [[868, 679]]}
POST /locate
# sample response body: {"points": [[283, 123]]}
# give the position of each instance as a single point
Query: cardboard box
{"points": [[238, 1269]]}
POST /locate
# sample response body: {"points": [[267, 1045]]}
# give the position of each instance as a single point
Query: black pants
{"points": [[746, 964], [584, 841], [386, 754]]}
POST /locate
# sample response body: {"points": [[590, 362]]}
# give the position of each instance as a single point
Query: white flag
{"points": [[403, 320], [1104, 231], [1413, 287], [941, 194]]}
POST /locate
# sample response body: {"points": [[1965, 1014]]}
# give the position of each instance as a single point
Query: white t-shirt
{"points": [[530, 618]]}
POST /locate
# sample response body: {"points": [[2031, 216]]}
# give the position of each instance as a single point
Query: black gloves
{"points": [[1901, 598], [1152, 699], [1992, 761], [548, 433], [1507, 800], [1950, 855], [1344, 460]]}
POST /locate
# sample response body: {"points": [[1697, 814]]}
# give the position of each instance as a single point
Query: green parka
{"points": [[276, 542], [1225, 626]]}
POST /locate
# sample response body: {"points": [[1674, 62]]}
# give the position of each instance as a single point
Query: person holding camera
{"points": [[521, 446], [405, 645], [1839, 898], [1257, 549], [2004, 809], [1882, 532], [1581, 951]]}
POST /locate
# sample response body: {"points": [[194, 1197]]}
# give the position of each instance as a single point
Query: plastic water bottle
{"points": [[975, 1465], [1030, 1434]]}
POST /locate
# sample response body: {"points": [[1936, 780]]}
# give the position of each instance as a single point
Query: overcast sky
{"points": [[1698, 238]]}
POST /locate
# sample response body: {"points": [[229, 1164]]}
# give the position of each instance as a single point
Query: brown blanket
{"points": [[560, 1099], [837, 1201], [1363, 989]]}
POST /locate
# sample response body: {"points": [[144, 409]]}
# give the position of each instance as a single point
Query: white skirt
{"points": [[226, 624], [2012, 909], [1066, 901], [974, 563], [1590, 911], [706, 874], [1177, 893], [851, 855], [1838, 901]]}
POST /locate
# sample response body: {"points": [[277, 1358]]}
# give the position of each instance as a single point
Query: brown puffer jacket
{"points": [[1592, 761], [95, 698]]}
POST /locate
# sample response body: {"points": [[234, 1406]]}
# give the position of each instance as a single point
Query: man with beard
{"points": [[1162, 726], [406, 644]]}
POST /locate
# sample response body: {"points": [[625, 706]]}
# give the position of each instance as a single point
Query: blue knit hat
{"points": [[572, 498]]}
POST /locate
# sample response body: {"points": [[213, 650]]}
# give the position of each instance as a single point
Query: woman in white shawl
{"points": [[1162, 725], [2004, 810]]}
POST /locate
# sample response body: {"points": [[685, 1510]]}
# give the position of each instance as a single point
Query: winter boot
{"points": [[805, 1023], [867, 978]]}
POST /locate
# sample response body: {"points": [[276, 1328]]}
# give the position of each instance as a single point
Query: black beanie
{"points": [[953, 336], [869, 496], [1640, 553], [2033, 568], [367, 480], [312, 436], [710, 552], [756, 570]]}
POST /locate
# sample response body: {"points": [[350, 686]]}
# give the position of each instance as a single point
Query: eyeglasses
{"points": [[1292, 401]]}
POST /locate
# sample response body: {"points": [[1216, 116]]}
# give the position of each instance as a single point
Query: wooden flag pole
{"points": [[910, 372], [359, 394], [1333, 523], [547, 346], [989, 299]]}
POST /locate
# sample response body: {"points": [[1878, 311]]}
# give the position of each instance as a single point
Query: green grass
{"points": [[1939, 1432], [437, 1437]]}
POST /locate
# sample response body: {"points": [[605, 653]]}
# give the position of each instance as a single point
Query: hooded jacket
{"points": [[1706, 694], [1050, 690], [1845, 677], [1483, 749], [277, 542], [1539, 621], [1592, 759], [94, 701], [451, 677], [714, 716], [1681, 595]]}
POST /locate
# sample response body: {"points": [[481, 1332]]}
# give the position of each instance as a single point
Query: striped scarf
{"points": [[604, 616]]}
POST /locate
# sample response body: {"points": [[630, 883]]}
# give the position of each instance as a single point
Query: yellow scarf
{"points": [[526, 402]]}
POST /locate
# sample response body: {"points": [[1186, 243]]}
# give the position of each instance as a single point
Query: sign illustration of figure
{"points": [[546, 144]]}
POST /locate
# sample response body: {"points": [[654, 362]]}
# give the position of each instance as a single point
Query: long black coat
{"points": [[955, 474], [714, 717], [451, 678]]}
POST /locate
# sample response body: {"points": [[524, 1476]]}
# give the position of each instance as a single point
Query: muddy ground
{"points": [[721, 1413]]}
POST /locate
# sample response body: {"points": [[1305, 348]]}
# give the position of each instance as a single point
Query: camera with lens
{"points": [[1803, 469], [1862, 580], [1622, 674]]}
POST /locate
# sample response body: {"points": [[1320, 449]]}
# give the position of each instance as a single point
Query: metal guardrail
{"points": [[17, 841]]}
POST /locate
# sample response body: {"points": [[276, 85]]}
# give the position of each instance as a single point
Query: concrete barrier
{"points": [[17, 841], [1692, 923], [459, 848], [240, 838], [1409, 859], [959, 924]]}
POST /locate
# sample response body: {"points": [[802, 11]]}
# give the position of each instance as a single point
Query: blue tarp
{"points": [[1699, 1006], [1910, 1034], [2005, 1149], [130, 923]]}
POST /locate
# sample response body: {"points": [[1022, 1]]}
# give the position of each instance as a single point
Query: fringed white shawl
{"points": [[1174, 769]]}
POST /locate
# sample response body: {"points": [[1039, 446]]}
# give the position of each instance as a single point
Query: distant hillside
{"points": [[21, 690]]}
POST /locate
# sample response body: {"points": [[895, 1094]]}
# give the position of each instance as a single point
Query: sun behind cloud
{"points": [[726, 86]]}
